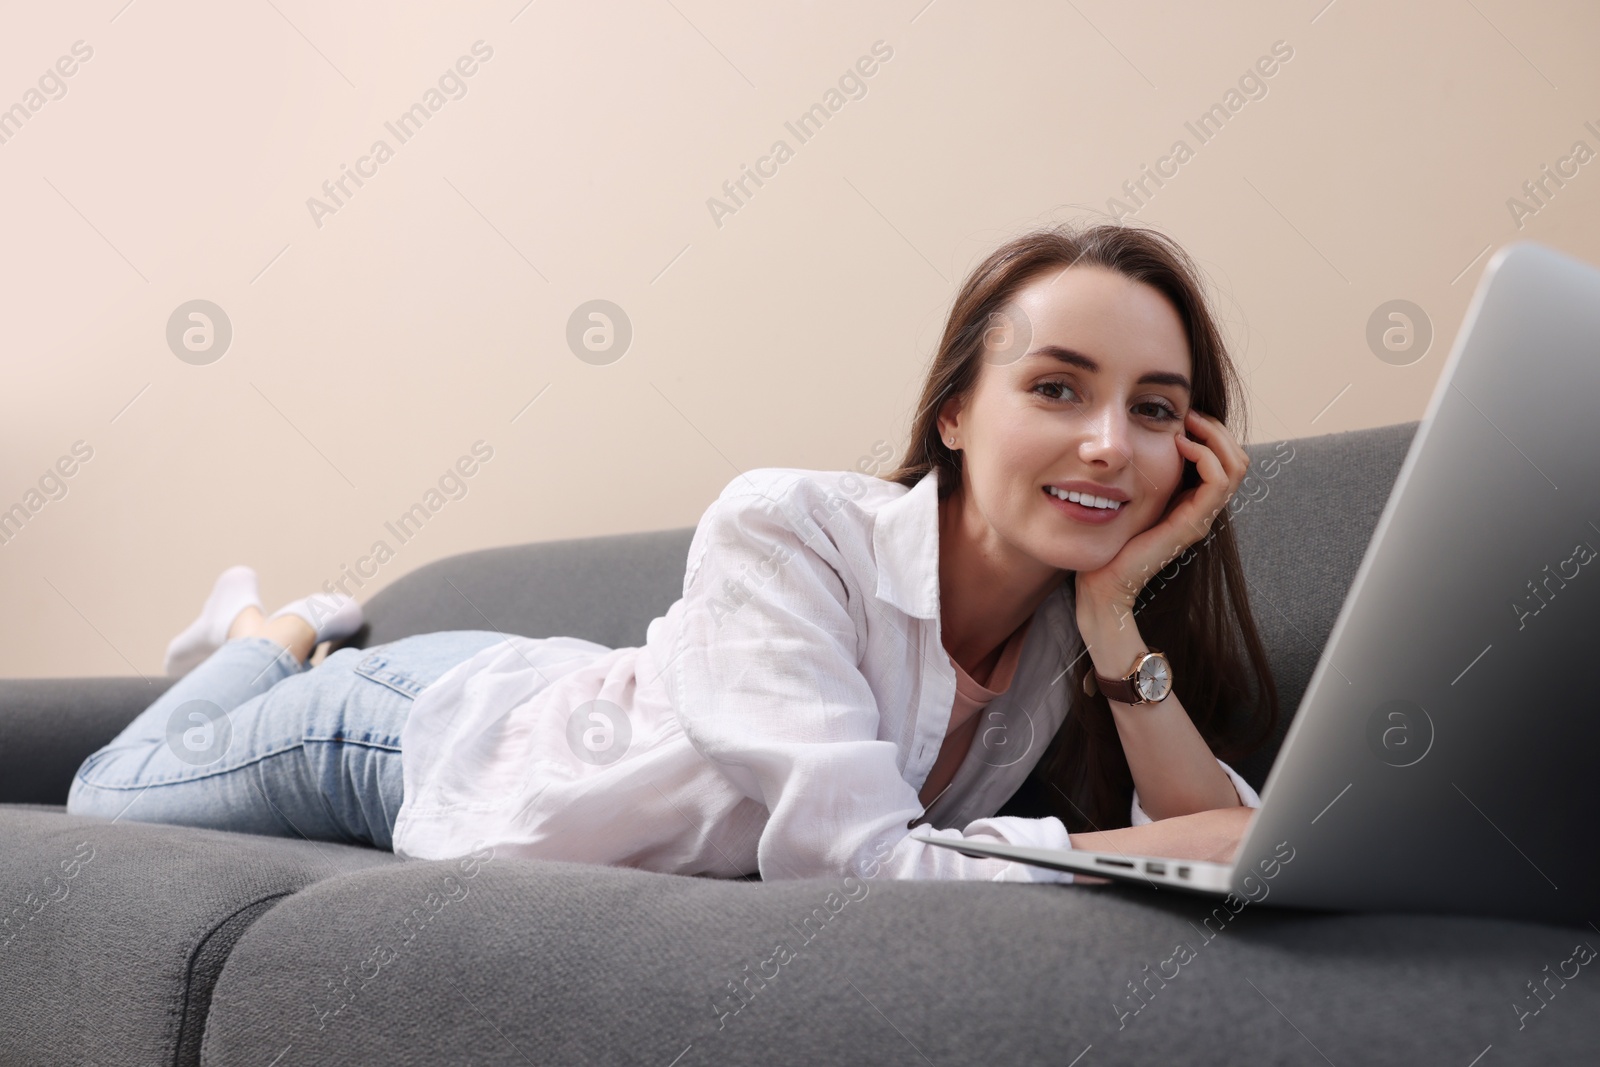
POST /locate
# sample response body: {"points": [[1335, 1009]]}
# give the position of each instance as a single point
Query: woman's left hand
{"points": [[1222, 465]]}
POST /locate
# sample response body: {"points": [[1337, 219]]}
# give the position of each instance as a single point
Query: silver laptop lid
{"points": [[1444, 755]]}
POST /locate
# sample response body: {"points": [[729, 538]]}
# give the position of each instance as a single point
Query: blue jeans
{"points": [[251, 740]]}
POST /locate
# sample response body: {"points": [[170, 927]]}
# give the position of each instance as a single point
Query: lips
{"points": [[1086, 514]]}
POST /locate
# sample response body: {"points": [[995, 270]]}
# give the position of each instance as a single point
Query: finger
{"points": [[1238, 463], [1207, 500], [1221, 438], [1206, 461], [1234, 461], [1217, 436]]}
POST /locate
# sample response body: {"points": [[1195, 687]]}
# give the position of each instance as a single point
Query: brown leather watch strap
{"points": [[1118, 689], [1122, 690]]}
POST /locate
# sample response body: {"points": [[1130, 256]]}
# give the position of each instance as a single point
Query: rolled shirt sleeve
{"points": [[765, 680], [1247, 796]]}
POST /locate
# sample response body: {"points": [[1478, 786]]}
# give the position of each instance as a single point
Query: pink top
{"points": [[970, 695], [971, 698]]}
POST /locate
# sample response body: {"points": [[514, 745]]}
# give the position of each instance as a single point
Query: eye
{"points": [[1058, 389], [1162, 411], [1052, 388]]}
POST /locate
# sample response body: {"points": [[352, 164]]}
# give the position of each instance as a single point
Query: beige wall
{"points": [[373, 344]]}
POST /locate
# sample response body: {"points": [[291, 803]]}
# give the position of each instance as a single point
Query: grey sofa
{"points": [[126, 943]]}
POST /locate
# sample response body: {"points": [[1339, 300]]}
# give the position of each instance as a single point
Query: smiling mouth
{"points": [[1098, 502]]}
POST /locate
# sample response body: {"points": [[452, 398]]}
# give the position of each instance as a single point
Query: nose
{"points": [[1104, 440]]}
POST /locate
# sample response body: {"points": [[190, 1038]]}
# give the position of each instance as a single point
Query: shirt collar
{"points": [[905, 544]]}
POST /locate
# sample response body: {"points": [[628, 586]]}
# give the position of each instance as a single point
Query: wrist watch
{"points": [[1148, 683]]}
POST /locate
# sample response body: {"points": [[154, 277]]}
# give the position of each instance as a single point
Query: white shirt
{"points": [[781, 717]]}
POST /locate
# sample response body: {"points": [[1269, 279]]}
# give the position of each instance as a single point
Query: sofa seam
{"points": [[194, 955]]}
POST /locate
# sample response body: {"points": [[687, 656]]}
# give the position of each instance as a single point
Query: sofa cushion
{"points": [[1303, 527], [48, 726], [501, 961], [112, 935]]}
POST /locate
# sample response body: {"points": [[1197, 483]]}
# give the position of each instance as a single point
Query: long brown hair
{"points": [[1201, 618]]}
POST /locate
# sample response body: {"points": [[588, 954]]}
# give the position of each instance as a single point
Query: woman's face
{"points": [[1084, 385]]}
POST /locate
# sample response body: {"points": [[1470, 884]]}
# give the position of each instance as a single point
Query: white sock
{"points": [[332, 615], [235, 590]]}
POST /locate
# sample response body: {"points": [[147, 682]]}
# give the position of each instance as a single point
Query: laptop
{"points": [[1446, 754]]}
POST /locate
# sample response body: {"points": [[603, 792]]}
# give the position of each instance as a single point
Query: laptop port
{"points": [[1106, 861], [1183, 872], [1155, 868]]}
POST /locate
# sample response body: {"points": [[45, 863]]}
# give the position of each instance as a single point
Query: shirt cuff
{"points": [[1048, 832], [1247, 796]]}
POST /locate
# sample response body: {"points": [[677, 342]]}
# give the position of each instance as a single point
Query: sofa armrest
{"points": [[48, 726]]}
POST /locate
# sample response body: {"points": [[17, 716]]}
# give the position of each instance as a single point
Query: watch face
{"points": [[1155, 678]]}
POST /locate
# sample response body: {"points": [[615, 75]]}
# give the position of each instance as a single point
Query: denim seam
{"points": [[209, 772], [364, 743], [375, 668]]}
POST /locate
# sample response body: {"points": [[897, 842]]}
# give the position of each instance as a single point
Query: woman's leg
{"points": [[291, 631], [191, 715], [252, 742], [187, 735]]}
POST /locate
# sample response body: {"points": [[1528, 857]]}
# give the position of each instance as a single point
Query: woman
{"points": [[850, 655]]}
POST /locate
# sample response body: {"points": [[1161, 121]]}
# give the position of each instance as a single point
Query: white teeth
{"points": [[1104, 503]]}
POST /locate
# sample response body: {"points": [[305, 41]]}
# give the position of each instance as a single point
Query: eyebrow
{"points": [[1078, 359]]}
